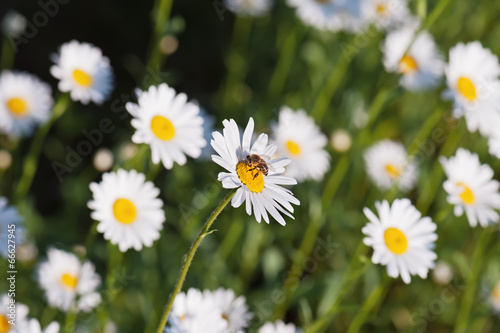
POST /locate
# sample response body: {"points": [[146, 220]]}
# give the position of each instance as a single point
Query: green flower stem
{"points": [[478, 260], [426, 130], [89, 242], [115, 260], [376, 296], [189, 258], [285, 60], [162, 10], [138, 161], [431, 187], [226, 246], [310, 237], [435, 14], [31, 161], [353, 273], [48, 315], [69, 322], [7, 56], [332, 82], [421, 9], [236, 59]]}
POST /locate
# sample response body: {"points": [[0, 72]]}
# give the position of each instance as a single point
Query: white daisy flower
{"points": [[66, 281], [8, 217], [279, 327], [168, 123], [25, 102], [251, 170], [193, 312], [387, 163], [421, 66], [12, 315], [401, 239], [473, 85], [234, 309], [33, 326], [299, 139], [249, 7], [128, 209], [495, 298], [332, 15], [385, 13], [471, 188], [84, 71]]}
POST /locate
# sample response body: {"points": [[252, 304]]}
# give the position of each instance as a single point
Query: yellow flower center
{"points": [[395, 240], [381, 10], [162, 128], [393, 171], [17, 106], [495, 294], [4, 324], [251, 177], [225, 317], [82, 78], [408, 65], [466, 88], [69, 281], [124, 211], [322, 1], [183, 317], [467, 196], [292, 147]]}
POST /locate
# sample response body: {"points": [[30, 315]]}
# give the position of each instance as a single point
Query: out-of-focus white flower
{"points": [[385, 13], [299, 139], [387, 163], [67, 282], [495, 297], [33, 326], [83, 71], [473, 85], [25, 102], [332, 15], [421, 66], [471, 188], [10, 311], [249, 7], [279, 327]]}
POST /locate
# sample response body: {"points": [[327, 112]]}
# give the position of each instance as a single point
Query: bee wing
{"points": [[267, 158]]}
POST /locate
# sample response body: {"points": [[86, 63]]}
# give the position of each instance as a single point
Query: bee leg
{"points": [[255, 176]]}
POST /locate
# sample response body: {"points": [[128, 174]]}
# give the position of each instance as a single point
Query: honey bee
{"points": [[257, 163]]}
